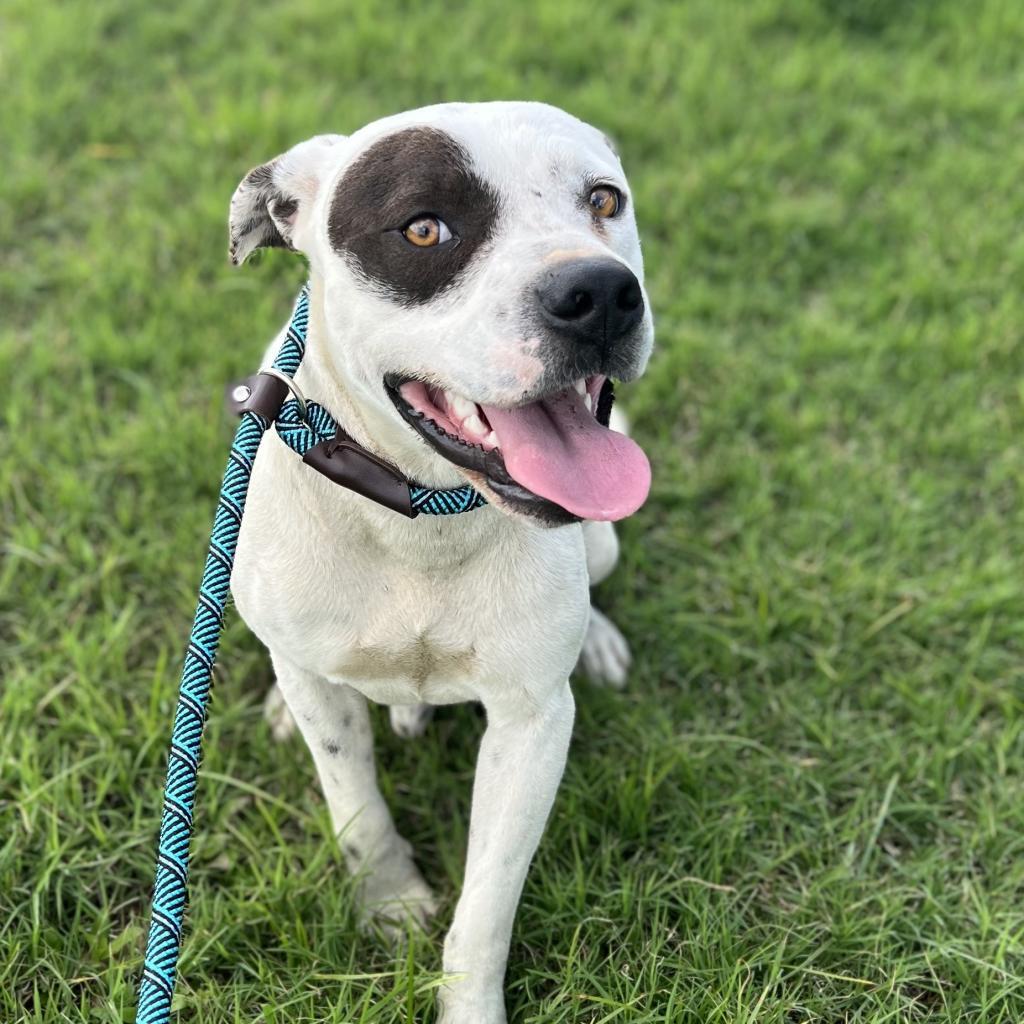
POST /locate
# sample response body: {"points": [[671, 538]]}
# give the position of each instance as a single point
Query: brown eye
{"points": [[426, 231], [605, 201]]}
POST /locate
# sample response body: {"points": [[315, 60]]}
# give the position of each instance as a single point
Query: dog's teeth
{"points": [[589, 403], [580, 386], [462, 407], [474, 426], [491, 439]]}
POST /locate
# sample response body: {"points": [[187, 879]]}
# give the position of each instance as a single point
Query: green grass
{"points": [[808, 806]]}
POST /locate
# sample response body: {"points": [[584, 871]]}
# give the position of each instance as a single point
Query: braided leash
{"points": [[170, 894]]}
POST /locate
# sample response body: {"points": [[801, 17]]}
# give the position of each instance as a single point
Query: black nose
{"points": [[594, 301]]}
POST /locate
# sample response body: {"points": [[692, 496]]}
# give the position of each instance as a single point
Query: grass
{"points": [[808, 806]]}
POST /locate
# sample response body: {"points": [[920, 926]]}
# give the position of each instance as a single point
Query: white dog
{"points": [[476, 280]]}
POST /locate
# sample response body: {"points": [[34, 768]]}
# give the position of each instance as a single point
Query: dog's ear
{"points": [[272, 203]]}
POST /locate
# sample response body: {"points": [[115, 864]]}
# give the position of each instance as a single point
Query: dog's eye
{"points": [[426, 231], [605, 201]]}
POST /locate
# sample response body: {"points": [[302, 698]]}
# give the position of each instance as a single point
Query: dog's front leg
{"points": [[519, 766], [335, 723]]}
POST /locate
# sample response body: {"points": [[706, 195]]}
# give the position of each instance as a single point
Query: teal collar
{"points": [[311, 431]]}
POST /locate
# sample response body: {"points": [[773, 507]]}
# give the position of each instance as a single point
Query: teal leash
{"points": [[306, 428]]}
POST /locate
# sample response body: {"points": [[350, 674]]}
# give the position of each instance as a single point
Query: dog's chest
{"points": [[408, 613], [401, 634], [398, 635], [409, 667]]}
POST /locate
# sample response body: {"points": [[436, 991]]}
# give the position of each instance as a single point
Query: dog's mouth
{"points": [[555, 458]]}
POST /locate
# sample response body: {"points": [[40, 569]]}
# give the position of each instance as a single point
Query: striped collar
{"points": [[311, 431]]}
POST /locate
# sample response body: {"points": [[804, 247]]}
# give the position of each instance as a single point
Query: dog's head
{"points": [[482, 285]]}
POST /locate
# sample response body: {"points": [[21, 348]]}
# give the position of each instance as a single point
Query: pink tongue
{"points": [[557, 449]]}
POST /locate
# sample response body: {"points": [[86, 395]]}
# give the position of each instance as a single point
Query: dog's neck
{"points": [[373, 425], [406, 541]]}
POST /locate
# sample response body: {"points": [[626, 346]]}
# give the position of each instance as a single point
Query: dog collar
{"points": [[311, 431]]}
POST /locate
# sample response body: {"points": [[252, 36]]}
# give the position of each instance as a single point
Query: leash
{"points": [[309, 430]]}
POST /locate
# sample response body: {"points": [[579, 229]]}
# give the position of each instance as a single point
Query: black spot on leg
{"points": [[332, 747], [350, 850], [346, 722]]}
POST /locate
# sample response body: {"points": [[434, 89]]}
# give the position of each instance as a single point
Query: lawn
{"points": [[808, 804]]}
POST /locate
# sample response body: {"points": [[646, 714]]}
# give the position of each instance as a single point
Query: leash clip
{"points": [[289, 383], [264, 393]]}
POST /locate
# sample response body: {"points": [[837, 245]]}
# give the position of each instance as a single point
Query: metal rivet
{"points": [[241, 393]]}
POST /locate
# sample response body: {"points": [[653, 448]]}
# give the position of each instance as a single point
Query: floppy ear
{"points": [[272, 204]]}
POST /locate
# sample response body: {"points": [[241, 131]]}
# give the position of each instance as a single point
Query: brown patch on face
{"points": [[412, 173]]}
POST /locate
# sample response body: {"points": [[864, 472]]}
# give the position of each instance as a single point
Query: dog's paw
{"points": [[605, 657], [277, 715], [394, 897], [457, 1005], [410, 720]]}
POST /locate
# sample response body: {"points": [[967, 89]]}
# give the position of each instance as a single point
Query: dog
{"points": [[475, 282]]}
